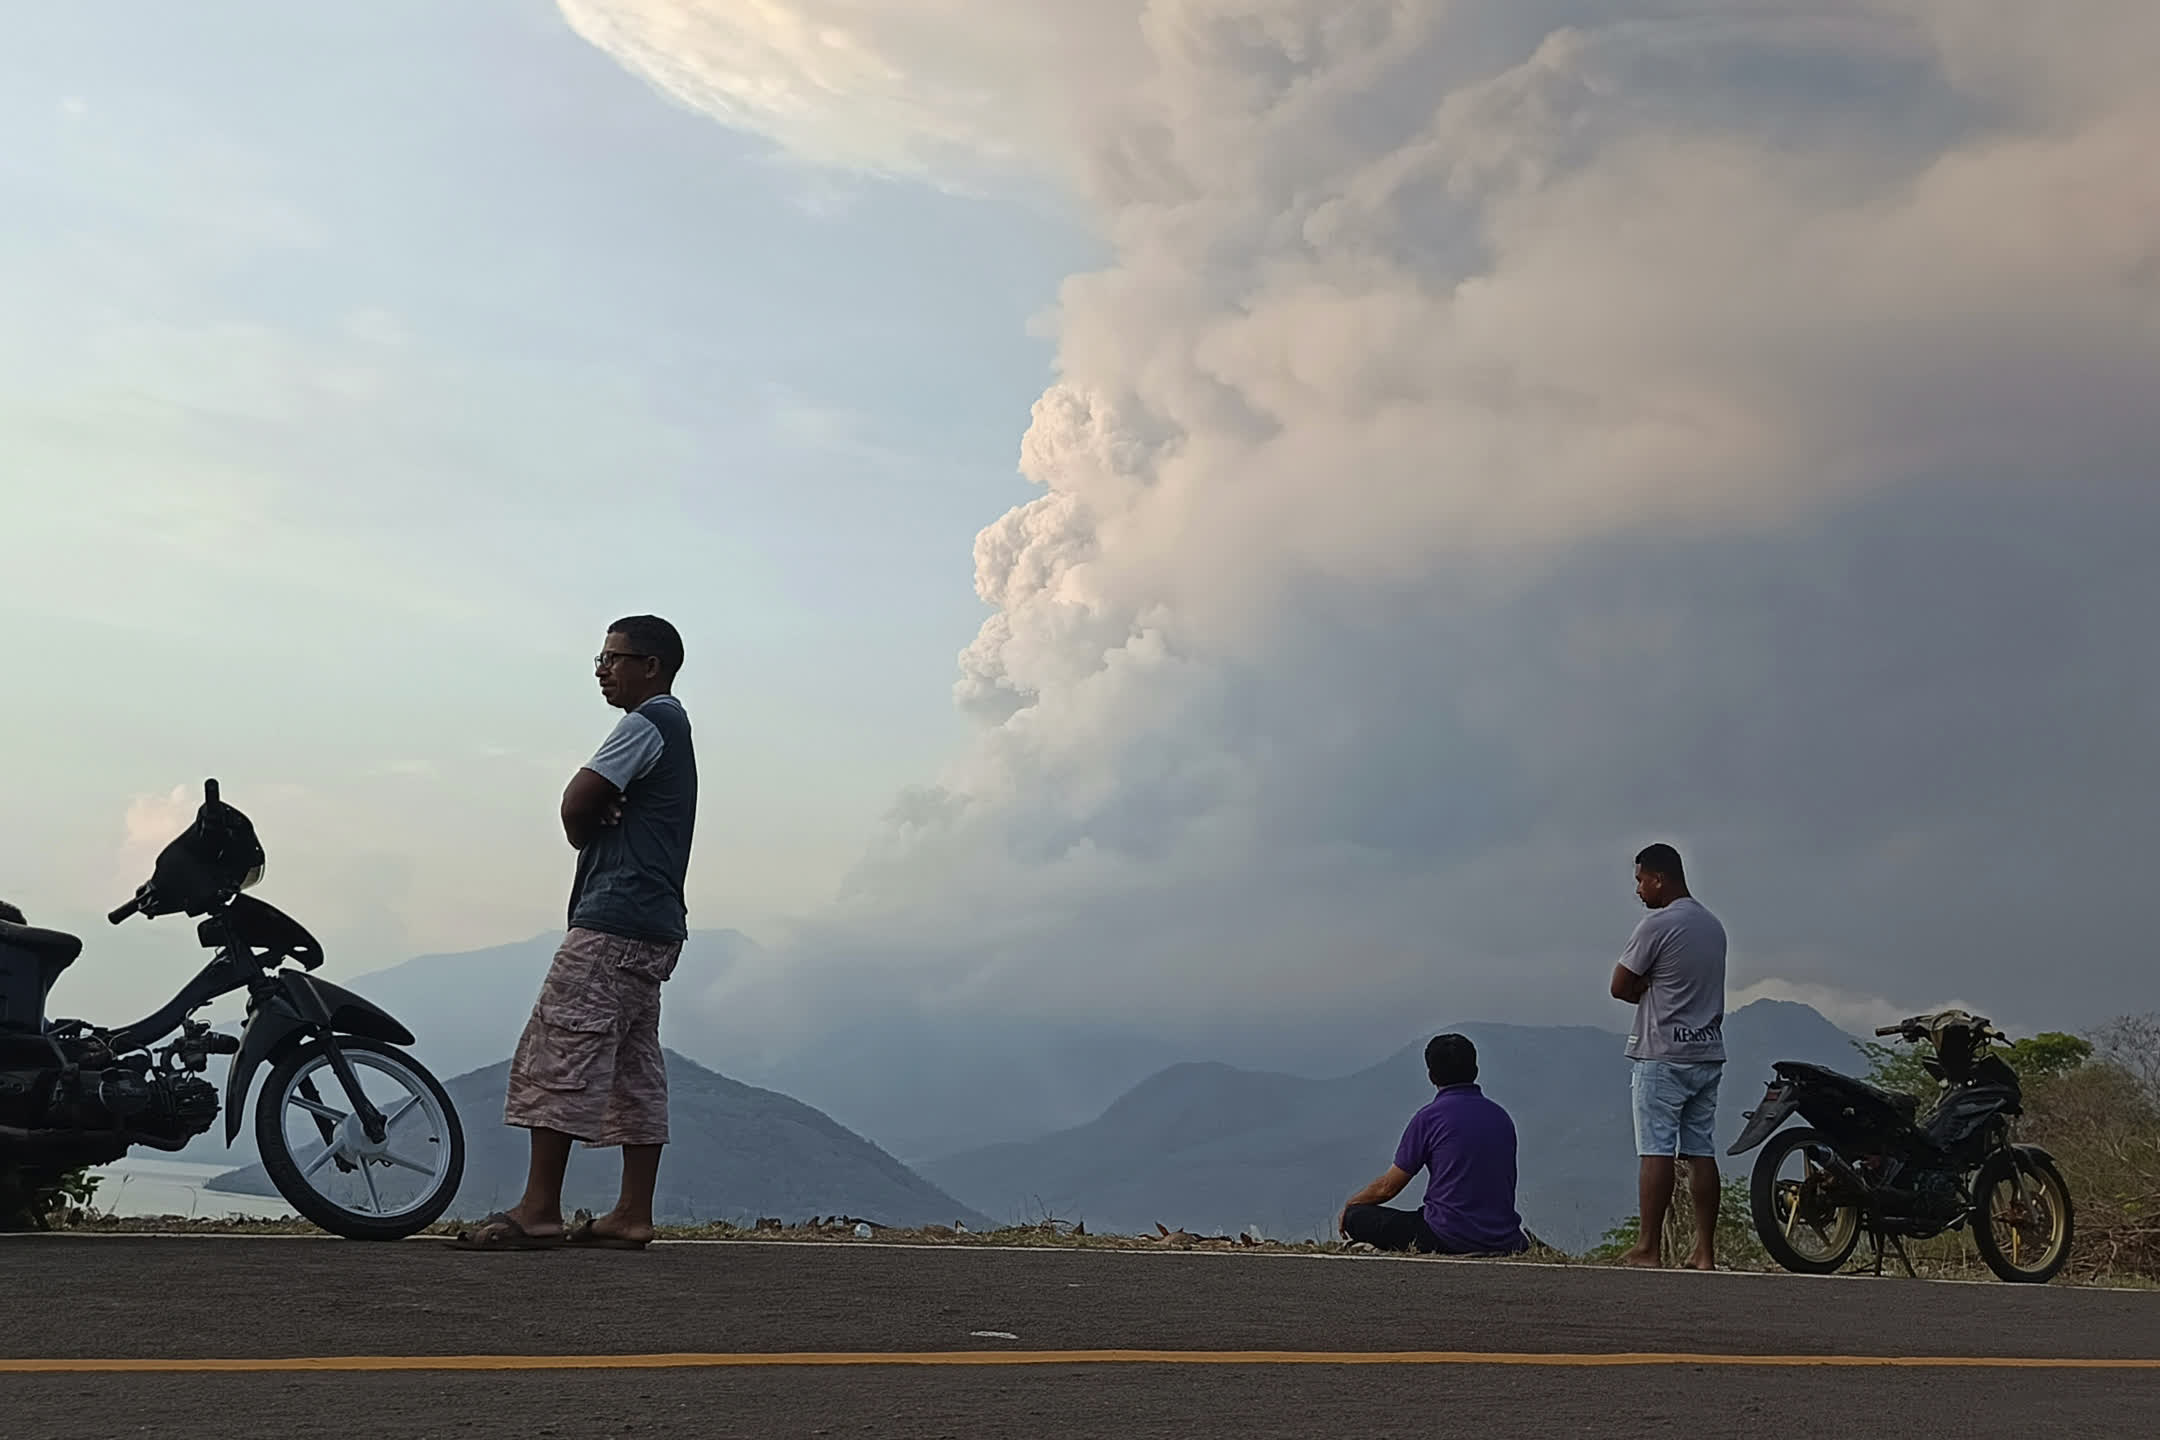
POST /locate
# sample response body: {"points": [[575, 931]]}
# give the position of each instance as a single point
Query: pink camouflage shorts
{"points": [[588, 1064]]}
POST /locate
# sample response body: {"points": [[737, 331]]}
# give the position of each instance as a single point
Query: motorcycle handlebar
{"points": [[1890, 1030], [134, 906]]}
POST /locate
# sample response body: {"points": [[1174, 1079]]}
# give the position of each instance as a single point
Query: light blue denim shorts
{"points": [[1675, 1107]]}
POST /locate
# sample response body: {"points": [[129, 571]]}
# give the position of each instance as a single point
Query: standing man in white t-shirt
{"points": [[1673, 973]]}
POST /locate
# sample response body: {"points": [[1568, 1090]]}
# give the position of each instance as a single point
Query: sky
{"points": [[1186, 509], [360, 364]]}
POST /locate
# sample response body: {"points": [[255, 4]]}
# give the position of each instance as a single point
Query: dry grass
{"points": [[2102, 1124]]}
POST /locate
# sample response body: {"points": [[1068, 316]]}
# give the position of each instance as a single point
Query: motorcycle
{"points": [[1868, 1162], [355, 1133]]}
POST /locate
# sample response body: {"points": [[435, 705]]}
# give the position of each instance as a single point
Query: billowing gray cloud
{"points": [[1510, 432]]}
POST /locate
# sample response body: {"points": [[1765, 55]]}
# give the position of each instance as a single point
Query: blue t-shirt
{"points": [[630, 878], [1467, 1143]]}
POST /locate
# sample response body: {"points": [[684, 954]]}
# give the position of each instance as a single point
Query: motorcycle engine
{"points": [[97, 1091], [1940, 1200]]}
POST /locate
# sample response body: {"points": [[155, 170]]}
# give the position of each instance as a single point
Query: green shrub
{"points": [[36, 1200]]}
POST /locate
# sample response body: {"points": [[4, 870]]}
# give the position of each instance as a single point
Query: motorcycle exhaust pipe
{"points": [[16, 1134], [1844, 1170]]}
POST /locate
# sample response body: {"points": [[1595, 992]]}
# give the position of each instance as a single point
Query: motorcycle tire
{"points": [[1767, 1197], [1996, 1198], [291, 1173]]}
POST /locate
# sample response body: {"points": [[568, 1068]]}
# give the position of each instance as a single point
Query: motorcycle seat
{"points": [[56, 950], [1906, 1106]]}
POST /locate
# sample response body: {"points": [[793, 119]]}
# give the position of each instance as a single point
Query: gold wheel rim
{"points": [[2027, 1211], [1831, 1232]]}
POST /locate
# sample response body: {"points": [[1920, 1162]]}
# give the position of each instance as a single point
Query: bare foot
{"points": [[504, 1231], [610, 1231], [1702, 1262], [540, 1227], [1643, 1259]]}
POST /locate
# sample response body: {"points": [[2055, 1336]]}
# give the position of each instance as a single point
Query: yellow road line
{"points": [[817, 1358]]}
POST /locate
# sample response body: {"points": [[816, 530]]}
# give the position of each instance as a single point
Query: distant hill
{"points": [[738, 1153], [1214, 1147], [967, 1081], [1258, 1145], [467, 1010], [929, 1086]]}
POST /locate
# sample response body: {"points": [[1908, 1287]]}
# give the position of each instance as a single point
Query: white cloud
{"points": [[1853, 1011], [1507, 428], [149, 825], [923, 88]]}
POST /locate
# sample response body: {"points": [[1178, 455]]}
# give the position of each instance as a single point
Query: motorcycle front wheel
{"points": [[1795, 1206], [322, 1160], [2023, 1220]]}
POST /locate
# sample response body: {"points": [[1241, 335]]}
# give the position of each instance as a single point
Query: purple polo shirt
{"points": [[1467, 1143]]}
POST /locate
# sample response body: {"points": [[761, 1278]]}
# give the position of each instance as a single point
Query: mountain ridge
{"points": [[738, 1152], [1208, 1145], [982, 1104]]}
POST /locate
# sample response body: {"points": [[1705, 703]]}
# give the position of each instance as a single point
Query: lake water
{"points": [[138, 1187]]}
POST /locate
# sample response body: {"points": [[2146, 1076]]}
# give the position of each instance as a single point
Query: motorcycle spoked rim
{"points": [[333, 1093], [1840, 1239], [2004, 1191]]}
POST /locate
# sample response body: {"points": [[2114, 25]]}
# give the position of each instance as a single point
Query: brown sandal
{"points": [[500, 1231], [583, 1235]]}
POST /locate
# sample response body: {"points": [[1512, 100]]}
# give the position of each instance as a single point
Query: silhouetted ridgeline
{"points": [[737, 1153]]}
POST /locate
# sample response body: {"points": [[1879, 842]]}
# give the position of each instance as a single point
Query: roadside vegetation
{"points": [[46, 1207]]}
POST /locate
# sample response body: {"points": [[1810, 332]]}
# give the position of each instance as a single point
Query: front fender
{"points": [[278, 1019]]}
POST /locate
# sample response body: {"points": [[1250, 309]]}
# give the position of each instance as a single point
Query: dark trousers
{"points": [[1387, 1229]]}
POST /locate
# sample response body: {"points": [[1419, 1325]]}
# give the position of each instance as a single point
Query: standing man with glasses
{"points": [[588, 1066]]}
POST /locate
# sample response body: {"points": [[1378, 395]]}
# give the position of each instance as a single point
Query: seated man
{"points": [[1467, 1143]]}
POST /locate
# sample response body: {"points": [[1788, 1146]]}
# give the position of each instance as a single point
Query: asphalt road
{"points": [[122, 1298]]}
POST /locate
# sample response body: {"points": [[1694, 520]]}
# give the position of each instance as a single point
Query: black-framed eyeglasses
{"points": [[606, 658]]}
